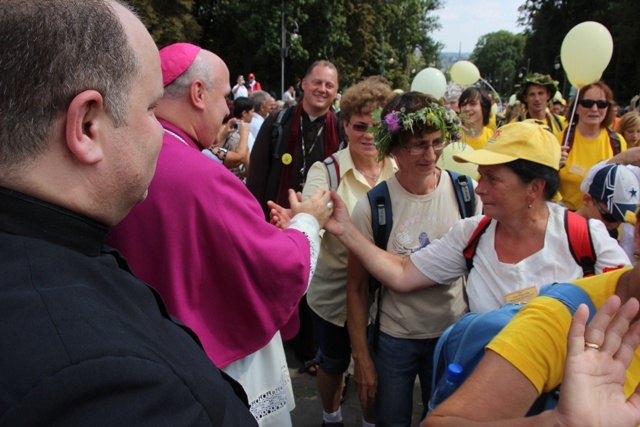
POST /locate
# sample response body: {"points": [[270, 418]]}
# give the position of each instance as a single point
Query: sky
{"points": [[464, 21]]}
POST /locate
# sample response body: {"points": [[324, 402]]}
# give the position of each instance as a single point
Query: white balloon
{"points": [[585, 53], [430, 81], [464, 72]]}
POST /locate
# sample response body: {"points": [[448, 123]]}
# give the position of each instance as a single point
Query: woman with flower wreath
{"points": [[414, 130]]}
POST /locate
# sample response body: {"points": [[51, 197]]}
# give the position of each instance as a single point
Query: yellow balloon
{"points": [[446, 160], [430, 81], [586, 52], [465, 73]]}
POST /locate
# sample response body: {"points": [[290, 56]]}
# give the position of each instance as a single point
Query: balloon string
{"points": [[494, 91], [573, 113]]}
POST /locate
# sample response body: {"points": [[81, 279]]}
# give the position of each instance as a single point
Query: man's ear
{"points": [[86, 121], [197, 93], [587, 200]]}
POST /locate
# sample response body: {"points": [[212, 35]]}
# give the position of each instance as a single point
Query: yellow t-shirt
{"points": [[478, 141], [493, 122], [535, 341], [553, 121], [584, 154]]}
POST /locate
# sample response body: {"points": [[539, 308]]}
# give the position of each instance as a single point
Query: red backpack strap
{"points": [[470, 251], [580, 242], [572, 131], [614, 141]]}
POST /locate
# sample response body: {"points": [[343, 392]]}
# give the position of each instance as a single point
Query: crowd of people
{"points": [[162, 242]]}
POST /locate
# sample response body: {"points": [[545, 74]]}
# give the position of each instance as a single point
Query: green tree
{"points": [[548, 21], [497, 56], [169, 20], [361, 38]]}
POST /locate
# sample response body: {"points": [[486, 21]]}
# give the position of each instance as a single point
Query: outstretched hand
{"points": [[593, 385], [280, 216], [319, 205]]}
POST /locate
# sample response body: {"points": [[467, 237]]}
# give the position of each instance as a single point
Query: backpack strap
{"points": [[381, 224], [470, 251], [381, 214], [572, 132], [580, 242], [463, 189], [614, 141], [555, 119], [276, 131], [333, 171]]}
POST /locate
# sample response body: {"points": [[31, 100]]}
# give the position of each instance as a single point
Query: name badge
{"points": [[522, 296]]}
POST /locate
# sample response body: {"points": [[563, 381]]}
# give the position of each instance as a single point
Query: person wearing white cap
{"points": [[610, 191], [630, 158]]}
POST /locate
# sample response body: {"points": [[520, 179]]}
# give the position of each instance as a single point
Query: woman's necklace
{"points": [[373, 178]]}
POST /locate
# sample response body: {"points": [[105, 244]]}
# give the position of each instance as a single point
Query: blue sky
{"points": [[464, 21]]}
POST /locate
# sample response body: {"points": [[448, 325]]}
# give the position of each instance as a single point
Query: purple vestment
{"points": [[201, 240]]}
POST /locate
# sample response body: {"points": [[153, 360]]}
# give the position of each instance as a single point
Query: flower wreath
{"points": [[435, 115]]}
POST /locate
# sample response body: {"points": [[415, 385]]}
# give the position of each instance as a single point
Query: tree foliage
{"points": [[497, 56], [361, 38], [168, 21], [548, 21]]}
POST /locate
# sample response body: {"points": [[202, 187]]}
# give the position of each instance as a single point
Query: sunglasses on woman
{"points": [[600, 103], [606, 216], [360, 127]]}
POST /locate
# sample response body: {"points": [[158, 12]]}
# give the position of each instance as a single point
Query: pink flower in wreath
{"points": [[392, 123]]}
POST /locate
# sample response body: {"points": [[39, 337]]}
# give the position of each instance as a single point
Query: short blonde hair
{"points": [[628, 121]]}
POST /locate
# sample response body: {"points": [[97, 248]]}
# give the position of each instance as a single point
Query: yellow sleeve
{"points": [[535, 341]]}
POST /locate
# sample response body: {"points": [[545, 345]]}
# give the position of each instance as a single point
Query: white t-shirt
{"points": [[240, 91], [490, 280], [255, 125], [418, 221]]}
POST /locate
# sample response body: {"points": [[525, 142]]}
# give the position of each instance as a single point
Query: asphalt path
{"points": [[308, 411]]}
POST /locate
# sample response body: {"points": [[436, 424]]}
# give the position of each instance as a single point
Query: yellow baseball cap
{"points": [[527, 140]]}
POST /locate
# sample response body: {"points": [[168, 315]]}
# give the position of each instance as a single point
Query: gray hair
{"points": [[198, 70], [50, 51], [259, 98]]}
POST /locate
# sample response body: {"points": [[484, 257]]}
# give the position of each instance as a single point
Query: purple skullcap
{"points": [[175, 59]]}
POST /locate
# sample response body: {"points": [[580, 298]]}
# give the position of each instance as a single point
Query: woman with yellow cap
{"points": [[524, 244]]}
